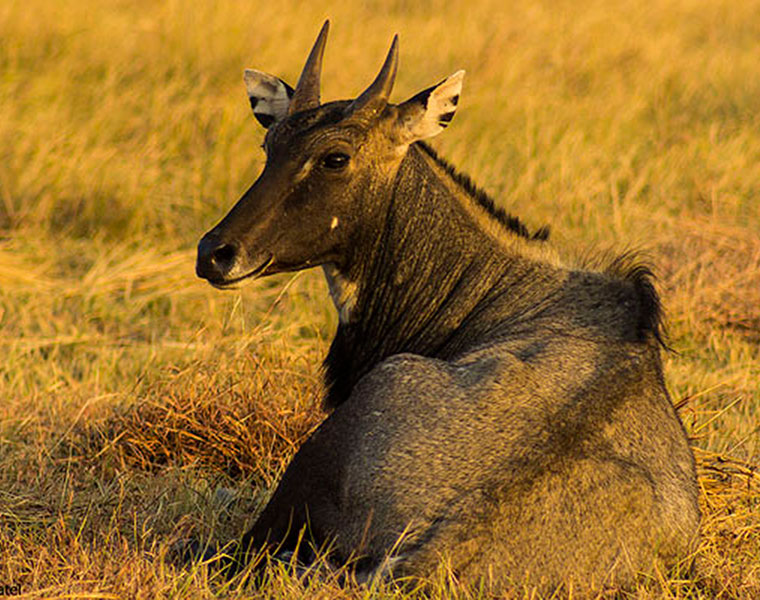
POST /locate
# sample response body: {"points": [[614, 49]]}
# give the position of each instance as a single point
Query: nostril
{"points": [[224, 255], [215, 258]]}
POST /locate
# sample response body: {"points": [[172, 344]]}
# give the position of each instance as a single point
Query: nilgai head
{"points": [[327, 165]]}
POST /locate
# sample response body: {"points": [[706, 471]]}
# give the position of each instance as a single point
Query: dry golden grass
{"points": [[139, 406]]}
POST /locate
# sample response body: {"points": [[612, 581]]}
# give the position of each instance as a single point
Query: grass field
{"points": [[139, 406]]}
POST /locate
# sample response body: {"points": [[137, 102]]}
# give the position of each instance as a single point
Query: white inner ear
{"points": [[438, 111], [268, 95]]}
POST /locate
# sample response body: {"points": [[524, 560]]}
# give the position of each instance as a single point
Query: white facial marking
{"points": [[304, 170], [334, 223]]}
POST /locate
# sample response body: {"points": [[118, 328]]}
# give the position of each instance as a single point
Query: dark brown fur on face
{"points": [[494, 408]]}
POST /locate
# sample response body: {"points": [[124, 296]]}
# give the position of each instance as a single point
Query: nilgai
{"points": [[493, 409]]}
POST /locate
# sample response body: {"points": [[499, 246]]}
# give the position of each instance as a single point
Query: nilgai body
{"points": [[494, 409]]}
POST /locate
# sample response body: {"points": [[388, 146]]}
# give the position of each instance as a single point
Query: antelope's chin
{"points": [[236, 282]]}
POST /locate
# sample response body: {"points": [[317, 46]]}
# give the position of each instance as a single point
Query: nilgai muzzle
{"points": [[494, 409]]}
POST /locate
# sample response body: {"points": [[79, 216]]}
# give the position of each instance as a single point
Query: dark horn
{"points": [[375, 97], [306, 94]]}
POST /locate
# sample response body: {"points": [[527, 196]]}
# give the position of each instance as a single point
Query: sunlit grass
{"points": [[131, 392]]}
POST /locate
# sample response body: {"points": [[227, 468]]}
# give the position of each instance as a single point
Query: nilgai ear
{"points": [[429, 112], [269, 95]]}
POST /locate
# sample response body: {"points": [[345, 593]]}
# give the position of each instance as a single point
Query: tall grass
{"points": [[133, 397]]}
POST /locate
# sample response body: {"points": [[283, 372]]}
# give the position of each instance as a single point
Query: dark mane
{"points": [[510, 222], [630, 267]]}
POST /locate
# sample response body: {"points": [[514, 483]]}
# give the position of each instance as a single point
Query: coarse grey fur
{"points": [[493, 408]]}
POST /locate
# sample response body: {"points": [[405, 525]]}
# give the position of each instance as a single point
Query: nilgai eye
{"points": [[335, 160]]}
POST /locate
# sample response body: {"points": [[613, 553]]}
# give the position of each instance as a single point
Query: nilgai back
{"points": [[493, 409]]}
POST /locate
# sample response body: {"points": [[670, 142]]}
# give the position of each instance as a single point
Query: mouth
{"points": [[227, 284]]}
